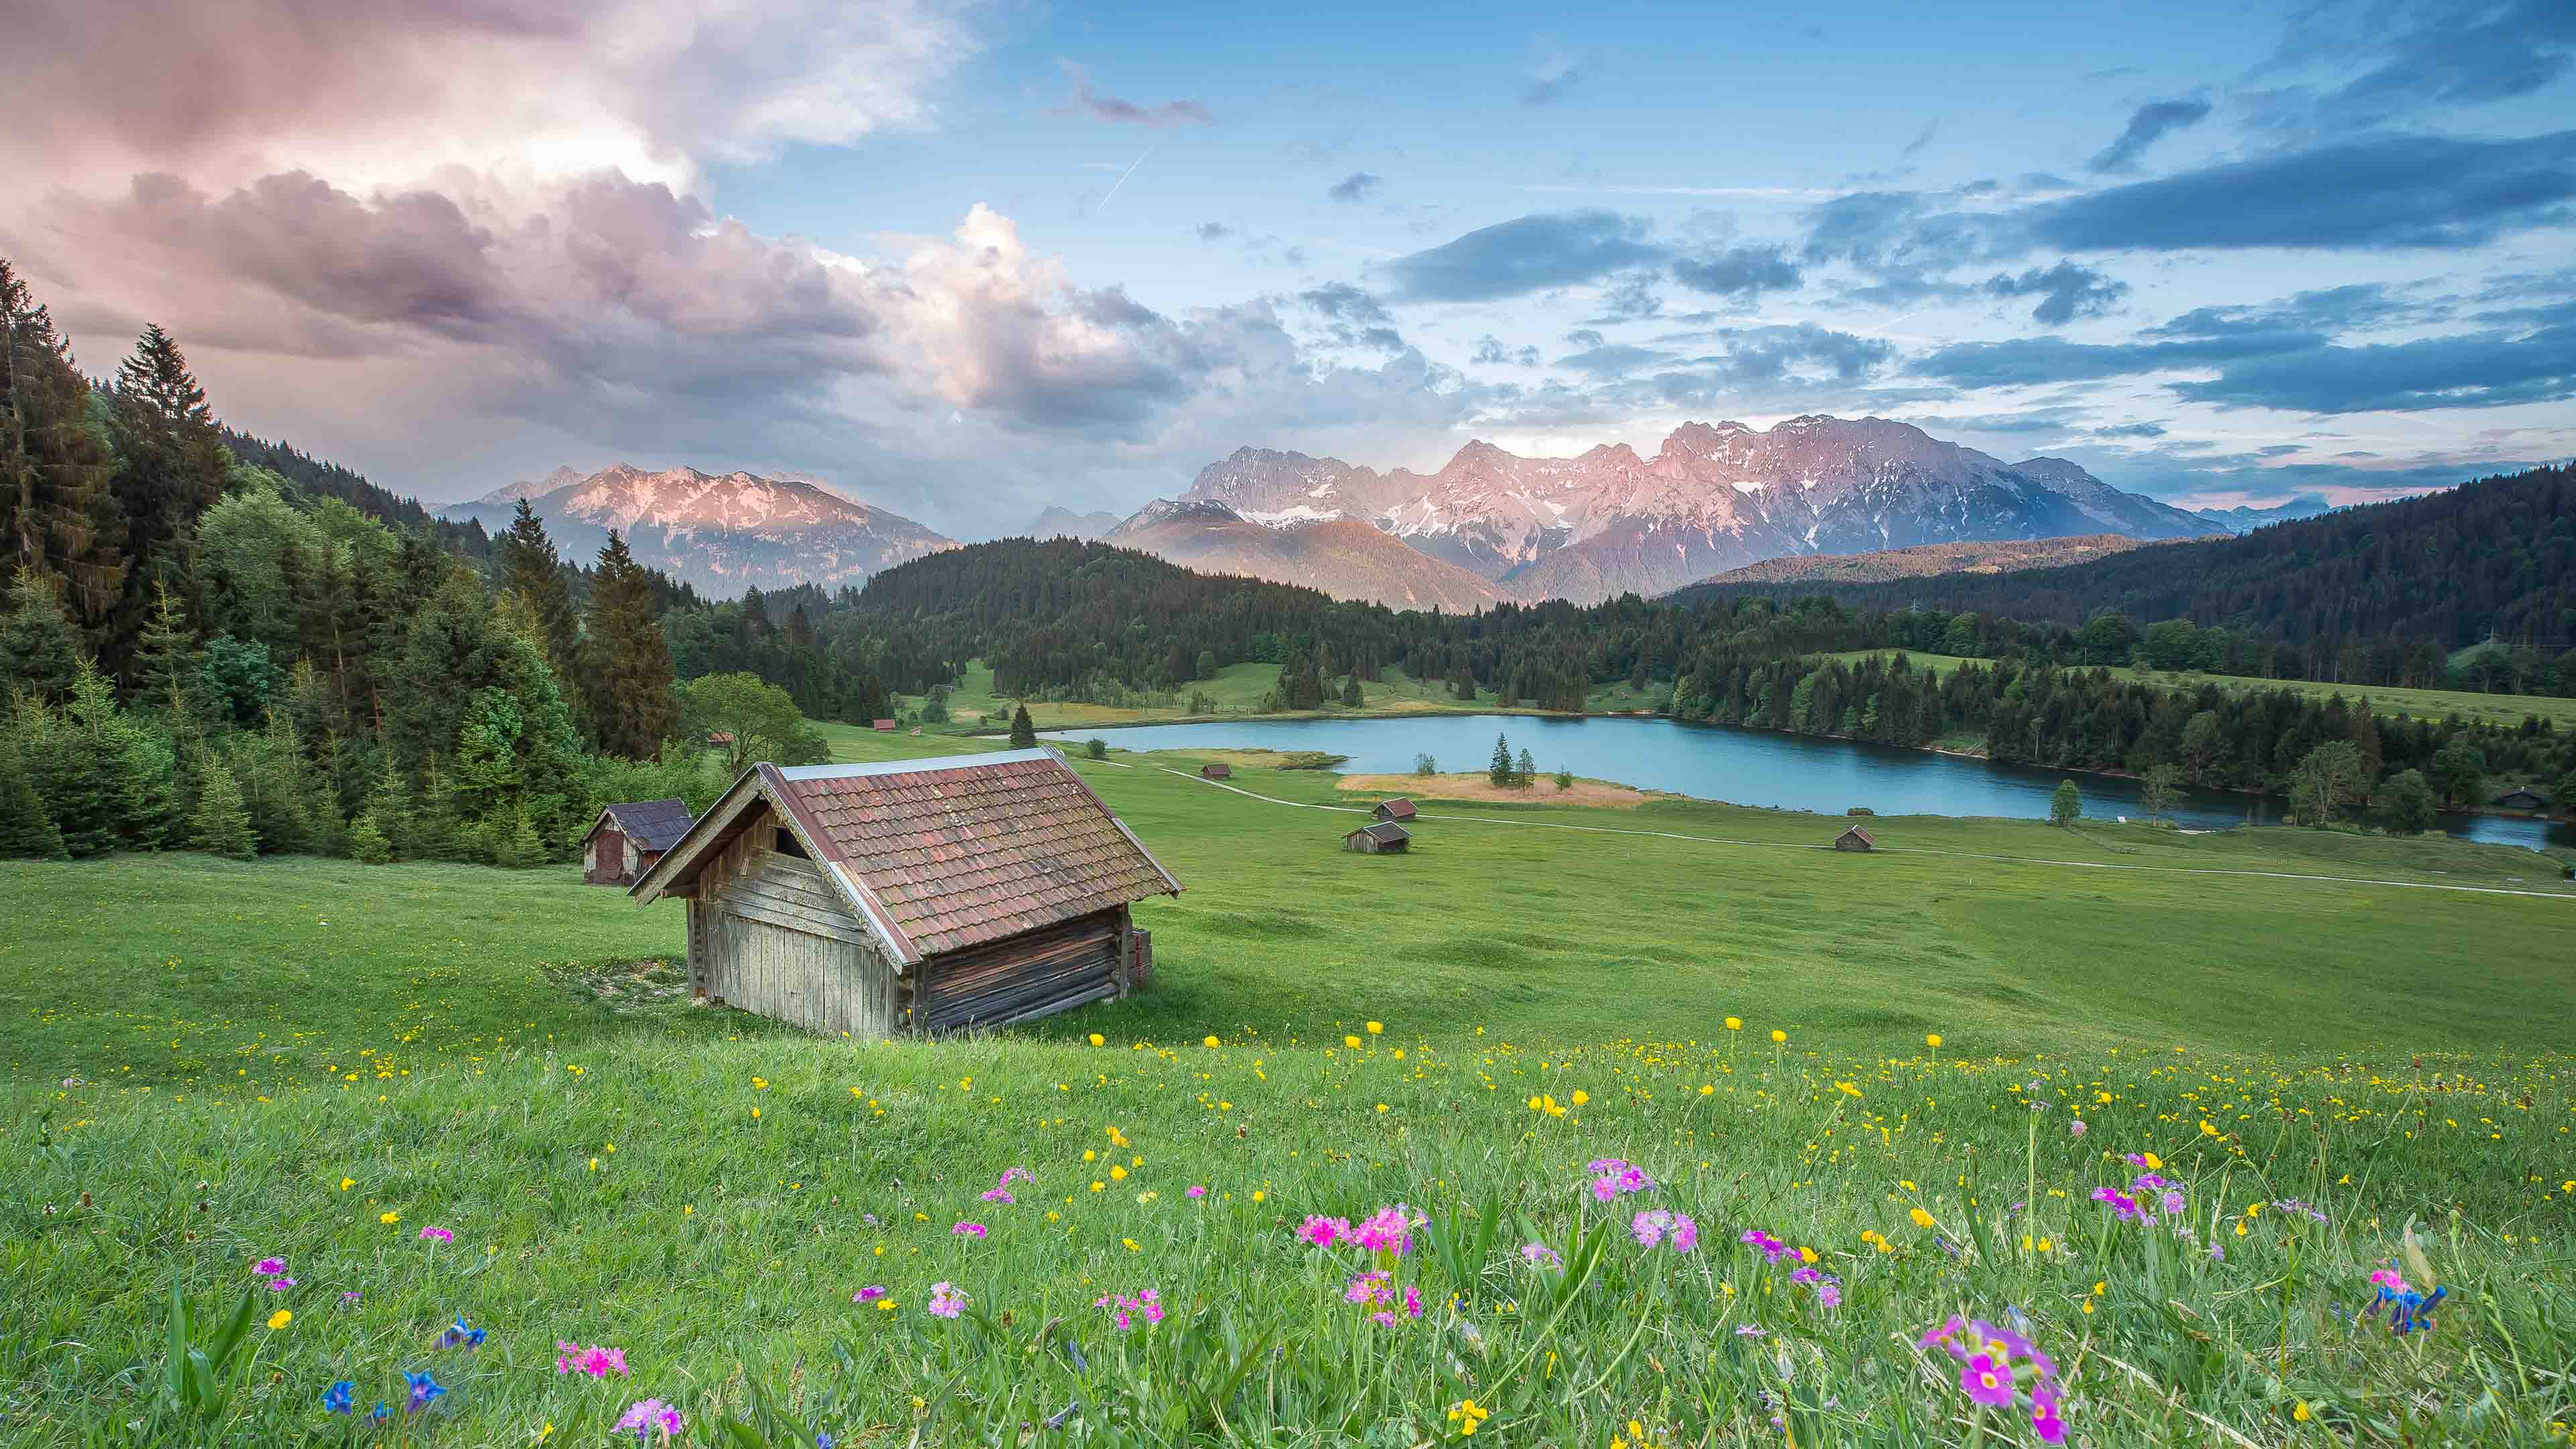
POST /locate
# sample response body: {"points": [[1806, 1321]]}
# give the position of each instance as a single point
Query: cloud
{"points": [[1549, 83], [1087, 102], [1524, 255], [1737, 271], [1922, 138], [1490, 349], [2491, 369], [2419, 56], [1614, 360], [2377, 193], [2131, 430], [1354, 187], [2065, 291], [383, 91], [2149, 124], [1630, 299], [2027, 361], [1355, 319], [1209, 231]]}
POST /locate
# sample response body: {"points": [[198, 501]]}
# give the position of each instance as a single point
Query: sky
{"points": [[967, 261]]}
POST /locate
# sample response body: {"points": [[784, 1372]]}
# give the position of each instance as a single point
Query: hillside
{"points": [[1712, 498], [1342, 557], [1925, 560], [2492, 557], [723, 533]]}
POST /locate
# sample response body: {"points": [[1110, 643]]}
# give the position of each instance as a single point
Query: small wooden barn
{"points": [[884, 726], [1378, 839], [2522, 799], [1216, 772], [913, 896], [1397, 809], [1855, 838], [626, 839]]}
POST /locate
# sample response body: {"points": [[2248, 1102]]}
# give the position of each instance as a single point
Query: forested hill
{"points": [[2494, 557], [321, 479]]}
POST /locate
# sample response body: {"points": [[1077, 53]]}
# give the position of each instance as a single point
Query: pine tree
{"points": [[1500, 770], [1524, 770], [368, 844], [170, 465], [38, 647], [1351, 696], [221, 826], [58, 514], [1024, 731], [166, 656], [26, 831], [633, 707], [531, 569]]}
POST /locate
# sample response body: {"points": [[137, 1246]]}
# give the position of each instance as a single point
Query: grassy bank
{"points": [[272, 1058]]}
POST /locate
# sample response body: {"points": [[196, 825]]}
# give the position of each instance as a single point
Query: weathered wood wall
{"points": [[1023, 977], [775, 939]]}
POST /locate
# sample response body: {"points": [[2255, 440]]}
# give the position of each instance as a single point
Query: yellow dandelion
{"points": [[1932, 1040], [347, 1183], [1735, 1023], [1350, 1041], [1921, 1218], [1778, 1036], [280, 1319], [1098, 1040], [1581, 1097], [1209, 1041], [1375, 1027], [389, 1219]]}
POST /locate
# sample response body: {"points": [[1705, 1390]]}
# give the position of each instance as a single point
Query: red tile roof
{"points": [[968, 849]]}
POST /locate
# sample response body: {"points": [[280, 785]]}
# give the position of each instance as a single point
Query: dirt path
{"points": [[2409, 885]]}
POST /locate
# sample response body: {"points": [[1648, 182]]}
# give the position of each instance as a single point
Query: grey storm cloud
{"points": [[1524, 255], [2149, 124], [2066, 291], [1354, 187], [1088, 102]]}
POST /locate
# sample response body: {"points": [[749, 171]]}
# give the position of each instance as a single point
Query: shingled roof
{"points": [[946, 853], [651, 824]]}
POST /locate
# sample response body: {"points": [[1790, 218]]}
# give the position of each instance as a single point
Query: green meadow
{"points": [[2325, 1041]]}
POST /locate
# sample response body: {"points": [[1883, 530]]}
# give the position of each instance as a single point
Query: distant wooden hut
{"points": [[719, 739], [1378, 839], [1855, 838], [626, 839], [2522, 799], [884, 726], [1398, 809], [1216, 772], [914, 896]]}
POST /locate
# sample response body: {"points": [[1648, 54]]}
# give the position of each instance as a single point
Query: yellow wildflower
{"points": [[280, 1319]]}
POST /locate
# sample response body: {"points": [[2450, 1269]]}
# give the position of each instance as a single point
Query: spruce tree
{"points": [[26, 831], [633, 706], [1500, 770], [1524, 770], [166, 656], [531, 569], [58, 513], [1024, 731], [38, 647], [170, 465], [221, 826], [1351, 696], [367, 842]]}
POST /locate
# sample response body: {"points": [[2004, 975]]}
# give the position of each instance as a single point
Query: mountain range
{"points": [[2242, 519], [1714, 497], [722, 532]]}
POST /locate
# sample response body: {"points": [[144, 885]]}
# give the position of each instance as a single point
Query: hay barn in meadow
{"points": [[1380, 839], [626, 839], [913, 896], [1398, 809], [1855, 838], [1216, 772]]}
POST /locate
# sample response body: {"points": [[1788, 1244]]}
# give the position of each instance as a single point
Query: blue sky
{"points": [[968, 262]]}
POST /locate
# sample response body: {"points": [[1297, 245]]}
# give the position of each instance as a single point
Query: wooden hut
{"points": [[884, 726], [1398, 809], [1855, 838], [913, 896], [1216, 772], [1378, 839], [626, 839], [2521, 799]]}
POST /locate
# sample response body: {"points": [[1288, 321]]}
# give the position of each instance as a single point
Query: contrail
{"points": [[1122, 180]]}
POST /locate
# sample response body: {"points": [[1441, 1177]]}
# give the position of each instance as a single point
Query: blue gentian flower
{"points": [[462, 1335], [423, 1389], [335, 1399], [823, 1439]]}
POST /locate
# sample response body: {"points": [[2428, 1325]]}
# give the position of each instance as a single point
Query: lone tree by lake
{"points": [[1524, 770], [1500, 771], [2157, 789], [2065, 805]]}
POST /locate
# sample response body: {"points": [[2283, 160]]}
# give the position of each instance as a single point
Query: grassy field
{"points": [[213, 1063], [2494, 709]]}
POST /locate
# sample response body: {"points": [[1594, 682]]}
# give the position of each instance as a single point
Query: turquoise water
{"points": [[1742, 767]]}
